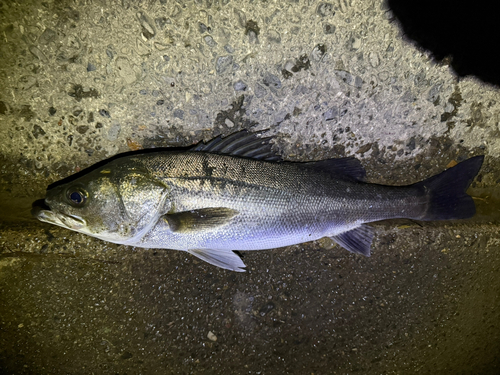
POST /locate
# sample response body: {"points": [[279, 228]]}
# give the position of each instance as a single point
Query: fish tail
{"points": [[447, 196]]}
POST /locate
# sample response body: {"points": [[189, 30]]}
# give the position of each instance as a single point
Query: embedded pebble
{"points": [[349, 79], [240, 86], [325, 9], [374, 60], [147, 27], [38, 131], [260, 91], [274, 37], [104, 113], [266, 308], [125, 70], [433, 94], [202, 27], [161, 22], [179, 113], [38, 54], [272, 81], [209, 41], [223, 64], [328, 28], [114, 131], [47, 36], [331, 114], [318, 52], [211, 336]]}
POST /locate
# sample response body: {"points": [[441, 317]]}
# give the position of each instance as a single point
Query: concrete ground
{"points": [[84, 80]]}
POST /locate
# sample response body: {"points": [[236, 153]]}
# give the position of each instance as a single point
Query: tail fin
{"points": [[448, 199]]}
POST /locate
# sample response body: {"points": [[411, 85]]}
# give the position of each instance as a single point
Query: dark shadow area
{"points": [[464, 34]]}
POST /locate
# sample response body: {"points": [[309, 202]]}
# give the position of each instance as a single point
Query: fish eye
{"points": [[77, 197]]}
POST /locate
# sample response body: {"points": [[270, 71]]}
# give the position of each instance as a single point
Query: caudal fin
{"points": [[448, 199]]}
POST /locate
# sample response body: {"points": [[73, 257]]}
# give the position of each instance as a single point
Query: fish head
{"points": [[118, 203]]}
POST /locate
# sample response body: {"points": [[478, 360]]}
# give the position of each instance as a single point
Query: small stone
{"points": [[223, 64], [161, 22], [240, 86], [348, 78], [260, 91], [318, 52], [266, 308], [104, 113], [331, 114], [114, 131], [325, 9], [433, 95], [211, 336], [147, 28], [179, 113], [82, 129], [38, 131], [229, 123], [202, 27], [47, 36], [272, 81], [328, 28], [274, 37], [209, 41]]}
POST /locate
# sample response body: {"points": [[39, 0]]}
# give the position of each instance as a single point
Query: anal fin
{"points": [[226, 259], [357, 240]]}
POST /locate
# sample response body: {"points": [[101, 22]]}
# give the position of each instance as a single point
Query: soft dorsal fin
{"points": [[349, 168], [196, 220], [243, 144], [357, 240]]}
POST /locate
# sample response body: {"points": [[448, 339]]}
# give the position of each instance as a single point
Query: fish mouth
{"points": [[42, 211]]}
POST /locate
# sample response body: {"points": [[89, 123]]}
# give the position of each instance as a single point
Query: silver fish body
{"points": [[210, 204]]}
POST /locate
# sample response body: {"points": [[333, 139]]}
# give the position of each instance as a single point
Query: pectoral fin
{"points": [[196, 220], [221, 258], [357, 240]]}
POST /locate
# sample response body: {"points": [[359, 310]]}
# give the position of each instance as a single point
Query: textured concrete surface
{"points": [[84, 80]]}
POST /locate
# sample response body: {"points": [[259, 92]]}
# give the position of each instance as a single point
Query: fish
{"points": [[235, 193]]}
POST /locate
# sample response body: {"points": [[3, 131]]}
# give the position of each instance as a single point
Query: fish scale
{"points": [[300, 204]]}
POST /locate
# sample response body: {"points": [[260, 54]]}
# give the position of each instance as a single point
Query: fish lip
{"points": [[42, 211], [38, 206]]}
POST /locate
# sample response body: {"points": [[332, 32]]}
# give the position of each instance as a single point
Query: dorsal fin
{"points": [[243, 144], [348, 168]]}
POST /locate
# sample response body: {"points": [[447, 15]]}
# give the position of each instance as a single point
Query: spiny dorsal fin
{"points": [[349, 168], [195, 220], [243, 144]]}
